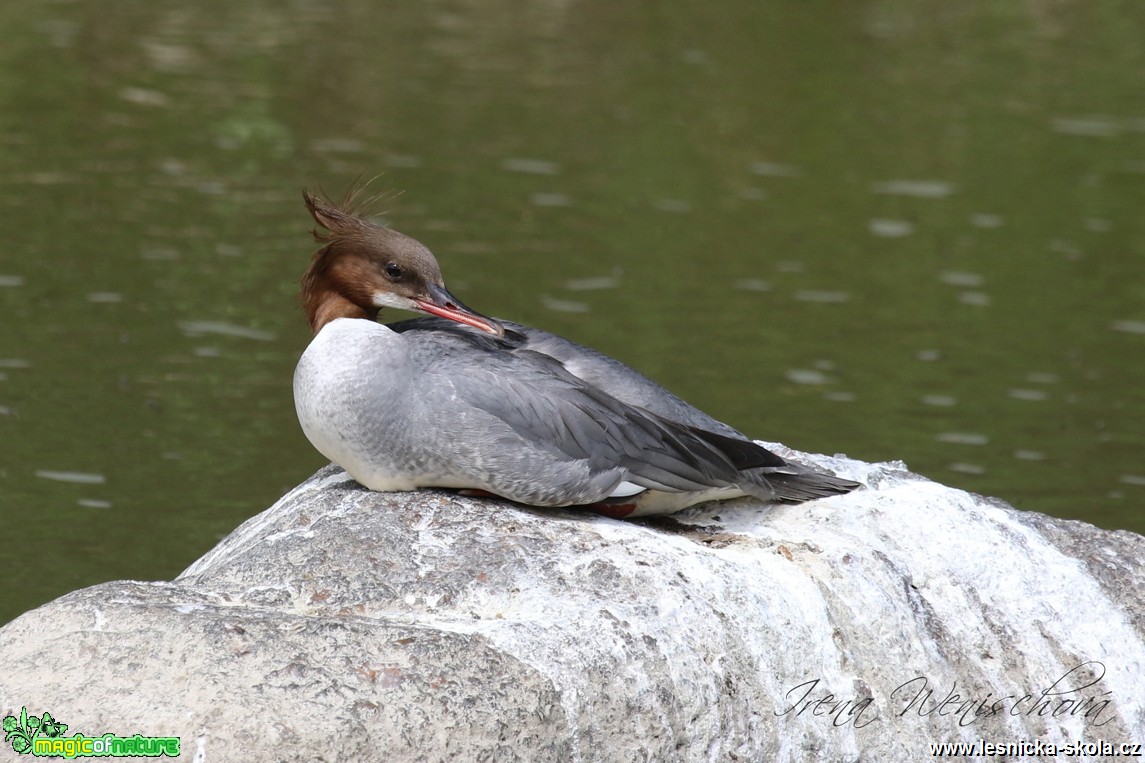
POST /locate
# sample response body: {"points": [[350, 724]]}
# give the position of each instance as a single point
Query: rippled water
{"points": [[894, 230]]}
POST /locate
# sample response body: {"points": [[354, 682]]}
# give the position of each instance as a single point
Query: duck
{"points": [[462, 401]]}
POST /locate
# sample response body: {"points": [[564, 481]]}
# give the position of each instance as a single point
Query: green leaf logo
{"points": [[51, 728], [21, 731]]}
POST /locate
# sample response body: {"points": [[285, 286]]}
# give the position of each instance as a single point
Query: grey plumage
{"points": [[605, 381]]}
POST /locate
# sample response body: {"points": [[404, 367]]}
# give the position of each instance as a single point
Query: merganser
{"points": [[463, 401]]}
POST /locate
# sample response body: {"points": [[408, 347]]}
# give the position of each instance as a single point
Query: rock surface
{"points": [[342, 624]]}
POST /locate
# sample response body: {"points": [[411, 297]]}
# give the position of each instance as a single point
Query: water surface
{"points": [[890, 229]]}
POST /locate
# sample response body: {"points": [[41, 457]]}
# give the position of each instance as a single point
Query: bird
{"points": [[490, 407]]}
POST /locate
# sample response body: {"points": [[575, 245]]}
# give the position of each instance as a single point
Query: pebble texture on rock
{"points": [[342, 624]]}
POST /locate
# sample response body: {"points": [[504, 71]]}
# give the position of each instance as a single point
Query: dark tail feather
{"points": [[803, 485]]}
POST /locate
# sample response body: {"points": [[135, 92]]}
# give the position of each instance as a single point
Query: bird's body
{"points": [[501, 408]]}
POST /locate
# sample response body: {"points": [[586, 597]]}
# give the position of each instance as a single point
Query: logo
{"points": [[44, 736]]}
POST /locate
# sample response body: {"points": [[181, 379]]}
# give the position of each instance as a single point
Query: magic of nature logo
{"points": [[43, 736]]}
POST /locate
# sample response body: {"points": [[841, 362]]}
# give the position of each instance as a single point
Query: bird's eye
{"points": [[393, 271]]}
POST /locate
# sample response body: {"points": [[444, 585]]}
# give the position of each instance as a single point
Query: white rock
{"points": [[347, 625]]}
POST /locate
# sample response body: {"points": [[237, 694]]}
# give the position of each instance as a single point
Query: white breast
{"points": [[348, 390]]}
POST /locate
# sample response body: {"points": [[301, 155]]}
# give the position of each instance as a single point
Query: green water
{"points": [[898, 230]]}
